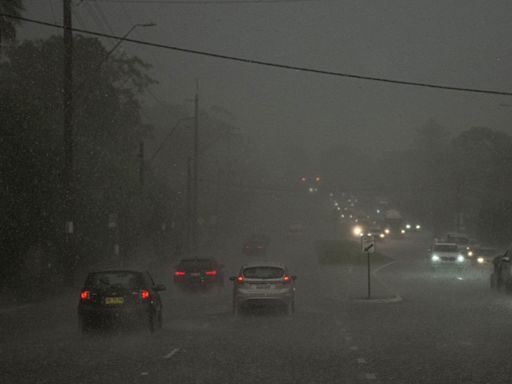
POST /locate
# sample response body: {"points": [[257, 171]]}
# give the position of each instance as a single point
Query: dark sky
{"points": [[461, 43]]}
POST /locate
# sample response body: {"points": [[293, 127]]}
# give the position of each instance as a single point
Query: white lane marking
{"points": [[361, 361], [354, 348], [459, 278], [370, 376], [144, 373], [397, 297], [172, 353]]}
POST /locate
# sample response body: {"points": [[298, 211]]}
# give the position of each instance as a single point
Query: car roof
{"points": [[116, 271], [264, 264], [203, 260]]}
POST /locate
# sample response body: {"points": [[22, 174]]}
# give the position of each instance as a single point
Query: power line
{"points": [[204, 2], [270, 64]]}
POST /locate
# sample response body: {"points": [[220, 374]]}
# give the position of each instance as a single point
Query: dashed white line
{"points": [[370, 376], [361, 361], [354, 348], [172, 353]]}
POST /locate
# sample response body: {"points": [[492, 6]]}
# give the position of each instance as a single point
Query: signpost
{"points": [[368, 246]]}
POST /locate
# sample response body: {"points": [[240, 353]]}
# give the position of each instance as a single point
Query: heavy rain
{"points": [[255, 191]]}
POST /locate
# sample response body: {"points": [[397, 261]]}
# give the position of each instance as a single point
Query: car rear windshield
{"points": [[103, 280], [445, 248], [263, 272], [194, 265]]}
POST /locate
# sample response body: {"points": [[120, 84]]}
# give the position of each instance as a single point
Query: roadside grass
{"points": [[345, 252]]}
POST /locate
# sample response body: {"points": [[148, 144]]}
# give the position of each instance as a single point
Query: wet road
{"points": [[434, 329]]}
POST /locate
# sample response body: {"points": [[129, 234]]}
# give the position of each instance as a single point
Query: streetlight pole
{"points": [[67, 175], [196, 175]]}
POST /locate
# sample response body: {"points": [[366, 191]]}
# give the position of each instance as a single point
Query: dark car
{"points": [[256, 245], [110, 297], [199, 273]]}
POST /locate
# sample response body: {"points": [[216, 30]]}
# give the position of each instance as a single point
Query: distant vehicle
{"points": [[446, 255], [199, 273], [483, 256], [108, 297], [256, 245], [377, 232], [263, 283], [393, 221], [296, 228], [461, 239]]}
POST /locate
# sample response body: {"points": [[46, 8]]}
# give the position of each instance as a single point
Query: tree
{"points": [[7, 24], [107, 131]]}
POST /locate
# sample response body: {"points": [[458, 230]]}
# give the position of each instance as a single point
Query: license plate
{"points": [[194, 274], [114, 300], [264, 286]]}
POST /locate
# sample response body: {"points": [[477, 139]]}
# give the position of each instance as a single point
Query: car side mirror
{"points": [[294, 277], [159, 287], [505, 259], [232, 278]]}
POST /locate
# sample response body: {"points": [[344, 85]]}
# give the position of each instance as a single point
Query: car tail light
{"points": [[286, 278], [210, 273], [240, 279], [179, 273], [85, 295], [144, 294]]}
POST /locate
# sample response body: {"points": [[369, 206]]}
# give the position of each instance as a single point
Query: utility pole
{"points": [[141, 163], [189, 219], [67, 94], [195, 187]]}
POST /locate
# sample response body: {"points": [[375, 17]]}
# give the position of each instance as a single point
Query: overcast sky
{"points": [[461, 43]]}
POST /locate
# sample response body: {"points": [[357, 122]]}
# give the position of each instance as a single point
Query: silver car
{"points": [[263, 283]]}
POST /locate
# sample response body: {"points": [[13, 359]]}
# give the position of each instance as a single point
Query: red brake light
{"points": [[240, 279], [179, 273], [211, 273], [85, 295], [286, 278], [144, 294]]}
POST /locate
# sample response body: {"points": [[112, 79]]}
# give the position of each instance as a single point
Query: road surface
{"points": [[436, 329]]}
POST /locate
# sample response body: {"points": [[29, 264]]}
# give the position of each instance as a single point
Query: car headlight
{"points": [[357, 230], [418, 226], [402, 231], [408, 226], [480, 260], [470, 253], [387, 231], [382, 235], [460, 258], [435, 258]]}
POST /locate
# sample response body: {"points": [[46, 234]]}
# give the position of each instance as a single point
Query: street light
{"points": [[100, 64]]}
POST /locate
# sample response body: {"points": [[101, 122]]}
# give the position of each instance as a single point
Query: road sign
{"points": [[367, 244]]}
